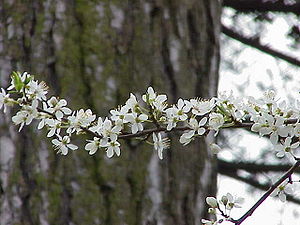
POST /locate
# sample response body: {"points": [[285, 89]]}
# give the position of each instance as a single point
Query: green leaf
{"points": [[17, 81], [28, 79]]}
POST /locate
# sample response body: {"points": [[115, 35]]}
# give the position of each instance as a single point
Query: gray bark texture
{"points": [[94, 53]]}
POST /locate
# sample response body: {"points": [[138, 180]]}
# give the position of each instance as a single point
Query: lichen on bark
{"points": [[94, 53]]}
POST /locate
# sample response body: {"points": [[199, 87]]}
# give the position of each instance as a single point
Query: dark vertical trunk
{"points": [[94, 53]]}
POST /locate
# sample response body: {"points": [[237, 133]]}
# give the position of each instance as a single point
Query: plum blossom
{"points": [[202, 107], [4, 100], [179, 110], [109, 131], [160, 144], [132, 103], [286, 147], [158, 102], [296, 130], [195, 126], [93, 145], [113, 147], [269, 97], [62, 144], [172, 120], [231, 202], [282, 190], [54, 127], [216, 120], [273, 126], [26, 115], [57, 107], [136, 121], [118, 116], [20, 118], [97, 128], [212, 201], [82, 119], [37, 90]]}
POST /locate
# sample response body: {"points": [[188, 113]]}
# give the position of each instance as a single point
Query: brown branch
{"points": [[255, 43], [183, 128], [267, 194], [250, 6], [255, 184], [159, 129], [251, 167]]}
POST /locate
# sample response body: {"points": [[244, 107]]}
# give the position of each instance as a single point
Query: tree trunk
{"points": [[94, 53]]}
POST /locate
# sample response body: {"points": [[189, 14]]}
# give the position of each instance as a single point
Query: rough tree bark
{"points": [[94, 53]]}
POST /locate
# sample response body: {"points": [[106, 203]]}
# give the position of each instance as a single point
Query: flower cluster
{"points": [[222, 207], [195, 117]]}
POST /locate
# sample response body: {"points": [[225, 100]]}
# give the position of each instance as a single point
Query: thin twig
{"points": [[255, 43], [267, 194]]}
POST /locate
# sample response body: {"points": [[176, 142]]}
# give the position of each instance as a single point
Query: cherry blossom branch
{"points": [[193, 118]]}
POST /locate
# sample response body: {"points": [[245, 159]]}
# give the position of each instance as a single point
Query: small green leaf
{"points": [[17, 81], [28, 79]]}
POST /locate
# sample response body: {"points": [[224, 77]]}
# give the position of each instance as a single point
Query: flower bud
{"points": [[224, 200], [212, 202], [212, 211]]}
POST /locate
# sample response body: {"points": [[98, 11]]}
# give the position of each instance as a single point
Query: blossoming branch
{"points": [[153, 116]]}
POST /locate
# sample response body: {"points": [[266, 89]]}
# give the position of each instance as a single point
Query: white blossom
{"points": [[62, 144], [282, 190], [296, 130], [4, 100], [286, 147], [172, 120], [97, 127], [118, 116], [109, 131], [269, 97], [57, 107], [179, 110], [20, 118], [156, 101], [82, 119], [268, 125], [54, 127], [202, 107], [212, 201], [136, 121], [160, 144], [93, 145], [132, 103], [216, 120], [26, 115], [113, 147], [231, 202], [195, 126], [37, 90]]}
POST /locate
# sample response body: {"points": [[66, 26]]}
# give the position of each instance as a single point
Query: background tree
{"points": [[260, 14], [94, 53]]}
